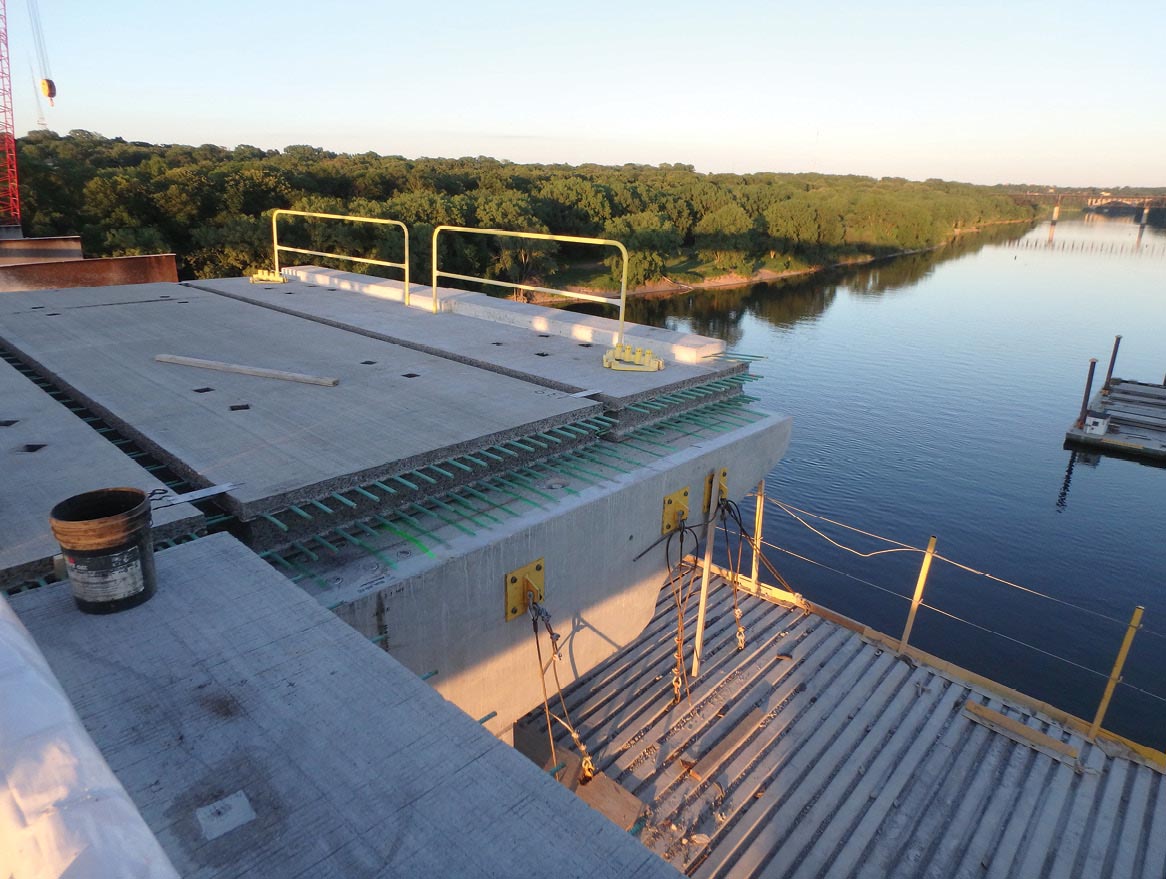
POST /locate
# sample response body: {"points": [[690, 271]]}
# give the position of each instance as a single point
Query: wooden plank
{"points": [[240, 369], [707, 765], [1018, 732], [609, 799]]}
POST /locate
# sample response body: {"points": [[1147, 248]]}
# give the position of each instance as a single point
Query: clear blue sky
{"points": [[1067, 93]]}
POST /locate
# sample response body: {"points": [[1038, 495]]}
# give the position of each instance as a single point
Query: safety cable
{"points": [[904, 547]]}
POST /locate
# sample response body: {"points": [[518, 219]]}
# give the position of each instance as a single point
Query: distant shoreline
{"points": [[669, 288]]}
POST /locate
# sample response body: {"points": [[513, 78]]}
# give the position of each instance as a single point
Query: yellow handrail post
{"points": [[275, 240], [758, 522], [277, 247], [917, 599], [433, 266], [1115, 675], [538, 236], [702, 608]]}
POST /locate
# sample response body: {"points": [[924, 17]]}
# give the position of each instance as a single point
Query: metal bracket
{"points": [[520, 581], [675, 510], [266, 276], [625, 357], [723, 476]]}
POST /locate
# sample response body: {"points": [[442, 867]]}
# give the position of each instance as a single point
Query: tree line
{"points": [[211, 206]]}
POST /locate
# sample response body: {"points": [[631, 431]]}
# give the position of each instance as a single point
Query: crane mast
{"points": [[9, 185]]}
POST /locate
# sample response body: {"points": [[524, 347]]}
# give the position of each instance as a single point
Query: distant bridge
{"points": [[1091, 199]]}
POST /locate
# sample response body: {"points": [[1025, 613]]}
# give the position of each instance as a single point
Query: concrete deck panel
{"points": [[601, 331], [287, 442], [554, 360], [262, 737], [49, 454]]}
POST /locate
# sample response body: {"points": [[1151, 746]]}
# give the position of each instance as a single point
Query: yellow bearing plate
{"points": [[520, 581], [675, 509]]}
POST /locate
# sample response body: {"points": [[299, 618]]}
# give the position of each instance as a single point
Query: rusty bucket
{"points": [[108, 547]]}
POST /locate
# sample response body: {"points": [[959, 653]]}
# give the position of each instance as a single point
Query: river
{"points": [[930, 396]]}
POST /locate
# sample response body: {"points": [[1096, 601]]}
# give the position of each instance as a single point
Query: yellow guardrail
{"points": [[536, 236], [277, 247]]}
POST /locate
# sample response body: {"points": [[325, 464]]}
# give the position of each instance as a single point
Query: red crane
{"points": [[9, 186]]}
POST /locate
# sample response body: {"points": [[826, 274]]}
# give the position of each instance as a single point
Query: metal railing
{"points": [[277, 247], [1113, 679], [537, 236]]}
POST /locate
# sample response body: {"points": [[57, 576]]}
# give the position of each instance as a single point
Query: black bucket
{"points": [[108, 545]]}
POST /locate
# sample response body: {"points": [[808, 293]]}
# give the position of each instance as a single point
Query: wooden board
{"points": [[1018, 732], [708, 764], [240, 369], [605, 796]]}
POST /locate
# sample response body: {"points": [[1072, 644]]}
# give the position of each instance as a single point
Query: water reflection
{"points": [[792, 301]]}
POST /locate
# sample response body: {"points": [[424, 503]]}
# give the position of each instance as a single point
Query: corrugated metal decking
{"points": [[825, 755]]}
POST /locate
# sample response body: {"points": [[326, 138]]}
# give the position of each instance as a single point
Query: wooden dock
{"points": [[1126, 418]]}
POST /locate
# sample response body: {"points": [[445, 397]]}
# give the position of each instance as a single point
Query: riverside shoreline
{"points": [[666, 288]]}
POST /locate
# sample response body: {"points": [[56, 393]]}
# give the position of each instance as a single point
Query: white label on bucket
{"points": [[107, 578]]}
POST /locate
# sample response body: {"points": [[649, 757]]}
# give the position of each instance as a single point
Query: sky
{"points": [[1069, 93]]}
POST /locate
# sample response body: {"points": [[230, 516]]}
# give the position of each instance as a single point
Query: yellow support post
{"points": [[1115, 675], [710, 535], [758, 521], [917, 599]]}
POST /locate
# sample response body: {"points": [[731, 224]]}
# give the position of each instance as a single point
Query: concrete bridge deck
{"points": [[260, 736], [48, 455]]}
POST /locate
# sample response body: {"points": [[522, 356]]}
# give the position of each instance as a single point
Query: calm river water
{"points": [[931, 395]]}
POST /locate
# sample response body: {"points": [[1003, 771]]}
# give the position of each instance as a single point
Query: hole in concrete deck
{"points": [[332, 289], [410, 374], [288, 292], [367, 362], [239, 407], [32, 447], [203, 390], [544, 335], [9, 423], [584, 344], [163, 297], [35, 307], [499, 344], [184, 302], [541, 354], [52, 314]]}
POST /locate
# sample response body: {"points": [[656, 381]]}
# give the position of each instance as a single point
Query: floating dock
{"points": [[1128, 419], [1125, 418]]}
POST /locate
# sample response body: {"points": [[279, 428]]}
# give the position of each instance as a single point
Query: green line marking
{"points": [[409, 537]]}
